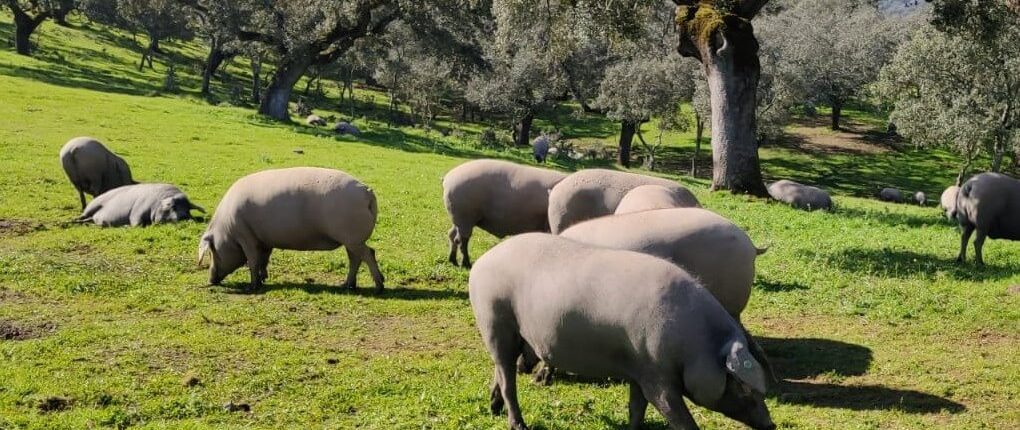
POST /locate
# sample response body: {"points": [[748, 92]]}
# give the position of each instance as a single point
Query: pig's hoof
{"points": [[544, 376]]}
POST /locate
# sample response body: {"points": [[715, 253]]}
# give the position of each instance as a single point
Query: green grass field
{"points": [[863, 311]]}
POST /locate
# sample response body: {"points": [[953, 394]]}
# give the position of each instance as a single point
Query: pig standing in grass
{"points": [[703, 243], [948, 201], [890, 195], [301, 208], [92, 168], [139, 205], [502, 198], [800, 196], [988, 204], [921, 198], [601, 312], [597, 192]]}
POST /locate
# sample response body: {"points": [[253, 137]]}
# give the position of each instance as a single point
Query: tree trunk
{"points": [[24, 26], [699, 124], [627, 129], [256, 82], [276, 102], [837, 113], [60, 16], [212, 63], [998, 151], [522, 131], [149, 53], [726, 46]]}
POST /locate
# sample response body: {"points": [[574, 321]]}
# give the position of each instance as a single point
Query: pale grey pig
{"points": [[139, 205], [988, 204], [500, 197], [597, 192], [948, 201], [601, 312], [300, 208], [800, 196], [650, 197], [92, 168]]}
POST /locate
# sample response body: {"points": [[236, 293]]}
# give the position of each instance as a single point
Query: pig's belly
{"points": [[593, 352]]}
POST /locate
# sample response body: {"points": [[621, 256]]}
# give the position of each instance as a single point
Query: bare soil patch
{"points": [[13, 330], [815, 136], [12, 227]]}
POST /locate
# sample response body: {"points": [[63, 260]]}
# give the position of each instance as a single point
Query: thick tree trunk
{"points": [[24, 26], [837, 113], [522, 131], [726, 46], [212, 63], [276, 101], [998, 151], [627, 129], [699, 124]]}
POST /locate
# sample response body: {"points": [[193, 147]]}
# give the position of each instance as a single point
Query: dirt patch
{"points": [[1014, 290], [11, 330], [814, 136], [54, 404], [12, 227]]}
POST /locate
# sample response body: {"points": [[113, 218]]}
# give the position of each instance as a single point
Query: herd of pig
{"points": [[607, 273]]}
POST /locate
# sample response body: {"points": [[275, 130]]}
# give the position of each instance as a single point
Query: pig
{"points": [[600, 312], [139, 205], [890, 195], [500, 197], [921, 198], [92, 168], [593, 193], [703, 243], [988, 204], [649, 197], [948, 201], [299, 208], [315, 120], [800, 196]]}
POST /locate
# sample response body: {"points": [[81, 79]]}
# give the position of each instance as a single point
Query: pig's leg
{"points": [[464, 236], [671, 404], [528, 360], [505, 345], [454, 241], [638, 406], [968, 229], [979, 243], [373, 267], [354, 256], [258, 259]]}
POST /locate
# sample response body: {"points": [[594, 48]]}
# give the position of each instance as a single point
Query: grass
{"points": [[868, 320]]}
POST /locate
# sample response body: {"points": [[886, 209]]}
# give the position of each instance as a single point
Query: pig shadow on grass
{"points": [[894, 263], [892, 218], [798, 359], [394, 293]]}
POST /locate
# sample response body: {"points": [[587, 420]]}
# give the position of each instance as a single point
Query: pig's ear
{"points": [[205, 245], [744, 367]]}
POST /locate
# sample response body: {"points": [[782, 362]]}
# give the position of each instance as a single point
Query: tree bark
{"points": [[24, 26], [699, 125], [275, 104], [212, 63], [522, 131], [727, 48], [998, 151], [837, 113], [256, 81], [627, 130]]}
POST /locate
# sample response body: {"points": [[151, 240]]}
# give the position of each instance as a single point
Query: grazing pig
{"points": [[502, 198], [649, 197], [921, 198], [800, 196], [890, 195], [988, 204], [597, 192], [708, 246], [540, 148], [344, 127], [92, 168], [948, 201], [315, 120], [300, 208], [139, 205], [601, 312]]}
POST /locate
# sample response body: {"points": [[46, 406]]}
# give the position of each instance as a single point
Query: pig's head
{"points": [[732, 384], [174, 209], [226, 256]]}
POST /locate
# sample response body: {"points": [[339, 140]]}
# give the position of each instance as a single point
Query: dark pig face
{"points": [[227, 257], [744, 404], [172, 210]]}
